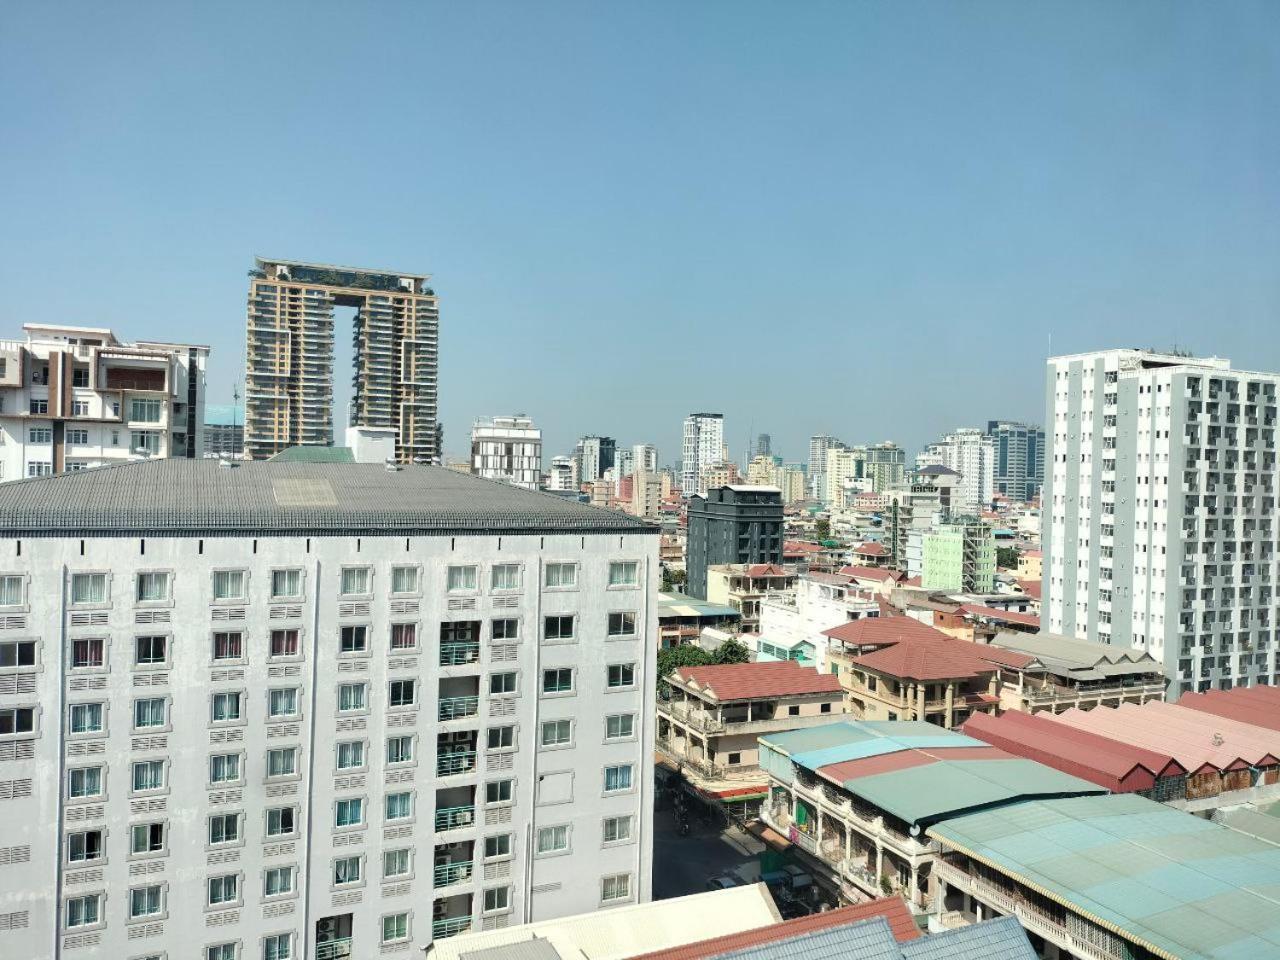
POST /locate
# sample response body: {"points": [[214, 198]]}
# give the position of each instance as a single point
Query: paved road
{"points": [[683, 865]]}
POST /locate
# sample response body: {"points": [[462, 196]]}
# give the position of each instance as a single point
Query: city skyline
{"points": [[1111, 198]]}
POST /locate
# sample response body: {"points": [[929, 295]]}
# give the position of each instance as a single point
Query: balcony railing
{"points": [[1073, 694], [456, 708], [454, 818], [447, 874], [460, 761], [450, 927], [459, 654], [333, 949]]}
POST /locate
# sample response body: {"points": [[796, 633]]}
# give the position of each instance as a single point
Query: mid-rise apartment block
{"points": [[886, 466], [507, 449], [1018, 472], [293, 709], [959, 555], [737, 524], [970, 453], [818, 447], [289, 357], [1159, 512], [596, 455], [72, 398], [702, 445]]}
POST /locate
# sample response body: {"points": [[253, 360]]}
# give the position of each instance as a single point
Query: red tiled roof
{"points": [[893, 909], [749, 681], [1033, 554], [765, 570], [801, 546], [870, 549], [882, 630], [994, 613], [1031, 588], [913, 581], [923, 661], [871, 573]]}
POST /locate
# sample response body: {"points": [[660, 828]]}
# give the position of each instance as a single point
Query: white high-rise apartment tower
{"points": [[644, 457], [970, 453], [1159, 523], [702, 446], [509, 449], [295, 710]]}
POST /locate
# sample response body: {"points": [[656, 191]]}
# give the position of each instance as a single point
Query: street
{"points": [[683, 865]]}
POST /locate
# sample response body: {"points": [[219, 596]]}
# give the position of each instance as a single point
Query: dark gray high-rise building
{"points": [[735, 524], [598, 454], [1019, 458]]}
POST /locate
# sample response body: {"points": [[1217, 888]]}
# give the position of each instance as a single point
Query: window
{"points": [[87, 652], [152, 587], [351, 696], [228, 646], [225, 707], [505, 629], [10, 591], [498, 791], [284, 643], [286, 584], [225, 889], [84, 911], [84, 847], [39, 468], [461, 579], [277, 881], [221, 951], [144, 410], [15, 721], [734, 759], [85, 718], [404, 636], [280, 821], [278, 946], [615, 888], [793, 711], [224, 828], [395, 927], [502, 683], [562, 575], [228, 585], [355, 581], [224, 767], [396, 863], [84, 782], [149, 651], [559, 680], [79, 437], [79, 376], [399, 806], [40, 435], [617, 829], [346, 870], [500, 738], [145, 441], [282, 762], [349, 813], [149, 713], [404, 579], [558, 627], [557, 732], [505, 576], [400, 693], [624, 573], [622, 624], [350, 754], [619, 726], [148, 775], [400, 749], [497, 899], [499, 846], [282, 703], [88, 588], [622, 675], [617, 778], [553, 839], [17, 653], [39, 406], [354, 640], [146, 837]]}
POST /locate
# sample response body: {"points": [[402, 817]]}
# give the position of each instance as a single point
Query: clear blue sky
{"points": [[854, 217]]}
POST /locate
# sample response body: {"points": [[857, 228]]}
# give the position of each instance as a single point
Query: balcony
{"points": [[459, 654], [455, 818], [458, 708], [334, 949], [448, 874], [452, 764], [451, 927]]}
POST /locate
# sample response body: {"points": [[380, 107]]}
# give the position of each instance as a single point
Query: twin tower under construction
{"points": [[289, 357]]}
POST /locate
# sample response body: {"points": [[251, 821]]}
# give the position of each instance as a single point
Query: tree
{"points": [[673, 579], [673, 658], [1007, 557], [732, 650], [823, 528]]}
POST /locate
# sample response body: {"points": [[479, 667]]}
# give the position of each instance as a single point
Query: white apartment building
{"points": [[818, 447], [971, 453], [844, 464], [287, 710], [818, 603], [509, 449], [702, 446], [72, 398], [1159, 526], [562, 475], [644, 456]]}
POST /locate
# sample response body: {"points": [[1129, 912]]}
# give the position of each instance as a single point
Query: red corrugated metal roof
{"points": [[750, 681], [838, 773], [1236, 704], [994, 613], [1031, 588], [893, 909]]}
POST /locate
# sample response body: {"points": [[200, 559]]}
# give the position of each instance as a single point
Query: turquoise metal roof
{"points": [[817, 738], [856, 739], [1185, 887]]}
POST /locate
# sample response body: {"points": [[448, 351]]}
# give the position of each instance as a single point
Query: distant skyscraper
{"points": [[703, 445], [764, 445], [818, 447], [970, 453], [289, 356], [223, 430], [644, 456], [624, 462], [597, 457], [507, 448], [886, 466], [1019, 458]]}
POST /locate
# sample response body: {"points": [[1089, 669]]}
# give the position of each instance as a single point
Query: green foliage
{"points": [[1007, 557], [673, 658], [673, 580], [731, 651], [823, 528]]}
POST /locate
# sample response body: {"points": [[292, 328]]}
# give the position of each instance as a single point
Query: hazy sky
{"points": [[860, 218]]}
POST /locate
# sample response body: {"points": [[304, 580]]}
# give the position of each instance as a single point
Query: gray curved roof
{"points": [[191, 497]]}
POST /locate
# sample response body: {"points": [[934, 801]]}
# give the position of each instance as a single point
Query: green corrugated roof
{"points": [[1185, 886], [682, 605], [309, 454]]}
